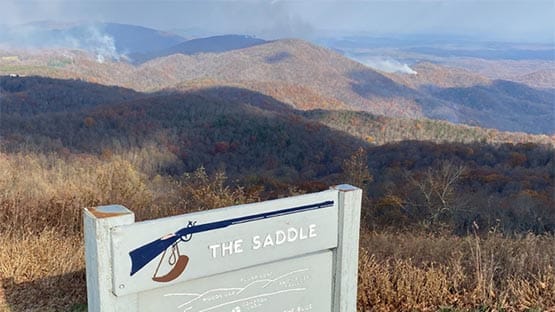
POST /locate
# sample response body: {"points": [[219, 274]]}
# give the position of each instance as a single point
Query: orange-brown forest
{"points": [[455, 218]]}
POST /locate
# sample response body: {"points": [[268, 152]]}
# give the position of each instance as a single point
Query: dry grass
{"points": [[41, 247], [413, 272], [41, 200], [45, 272], [41, 272], [43, 191]]}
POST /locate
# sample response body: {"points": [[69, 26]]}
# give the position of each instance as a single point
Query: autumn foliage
{"points": [[454, 218]]}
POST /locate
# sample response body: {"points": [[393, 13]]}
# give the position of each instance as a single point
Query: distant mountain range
{"points": [[299, 73], [215, 44], [111, 40], [115, 41], [489, 54], [243, 130], [543, 78]]}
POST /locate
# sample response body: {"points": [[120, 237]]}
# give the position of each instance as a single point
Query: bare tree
{"points": [[355, 169], [435, 190]]}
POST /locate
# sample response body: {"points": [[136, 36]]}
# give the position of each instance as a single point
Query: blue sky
{"points": [[509, 20]]}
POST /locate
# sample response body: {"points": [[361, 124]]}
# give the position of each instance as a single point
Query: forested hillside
{"points": [[283, 68], [201, 45], [69, 144], [447, 129], [380, 129], [264, 143]]}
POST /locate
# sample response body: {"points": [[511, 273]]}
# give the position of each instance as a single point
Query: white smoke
{"points": [[102, 45], [387, 65], [90, 38], [93, 40]]}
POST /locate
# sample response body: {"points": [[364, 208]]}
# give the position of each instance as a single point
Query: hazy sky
{"points": [[530, 20]]}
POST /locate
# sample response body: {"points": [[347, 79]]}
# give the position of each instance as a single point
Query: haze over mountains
{"points": [[290, 70], [450, 137], [107, 39], [213, 44]]}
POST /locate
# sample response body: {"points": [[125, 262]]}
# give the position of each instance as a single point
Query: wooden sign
{"points": [[293, 254], [296, 284]]}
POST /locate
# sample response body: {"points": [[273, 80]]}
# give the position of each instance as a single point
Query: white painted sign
{"points": [[293, 254], [293, 285], [146, 254]]}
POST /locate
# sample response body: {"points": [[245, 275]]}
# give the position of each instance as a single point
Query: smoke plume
{"points": [[388, 65], [90, 38]]}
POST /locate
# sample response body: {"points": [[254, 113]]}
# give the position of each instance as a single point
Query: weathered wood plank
{"points": [[300, 252], [97, 224], [294, 285], [273, 235], [346, 258]]}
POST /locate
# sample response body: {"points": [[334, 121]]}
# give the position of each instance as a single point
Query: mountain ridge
{"points": [[214, 44], [460, 98], [25, 97]]}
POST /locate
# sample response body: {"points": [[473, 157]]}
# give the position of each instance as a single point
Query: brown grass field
{"points": [[42, 262]]}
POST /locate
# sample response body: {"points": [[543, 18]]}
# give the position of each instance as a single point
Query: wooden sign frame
{"points": [[114, 244]]}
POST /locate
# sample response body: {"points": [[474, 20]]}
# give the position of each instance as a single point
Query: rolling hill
{"points": [[130, 39], [432, 75], [112, 39], [292, 62], [184, 133], [534, 73], [157, 139], [501, 104], [284, 67], [215, 44], [35, 95], [210, 127], [86, 117], [543, 78], [504, 105]]}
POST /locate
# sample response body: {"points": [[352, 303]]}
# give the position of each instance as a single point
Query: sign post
{"points": [[346, 253], [293, 254]]}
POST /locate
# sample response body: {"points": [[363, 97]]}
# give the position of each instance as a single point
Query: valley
{"points": [[452, 144], [437, 91]]}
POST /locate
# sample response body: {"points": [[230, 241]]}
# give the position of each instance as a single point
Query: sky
{"points": [[504, 20]]}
